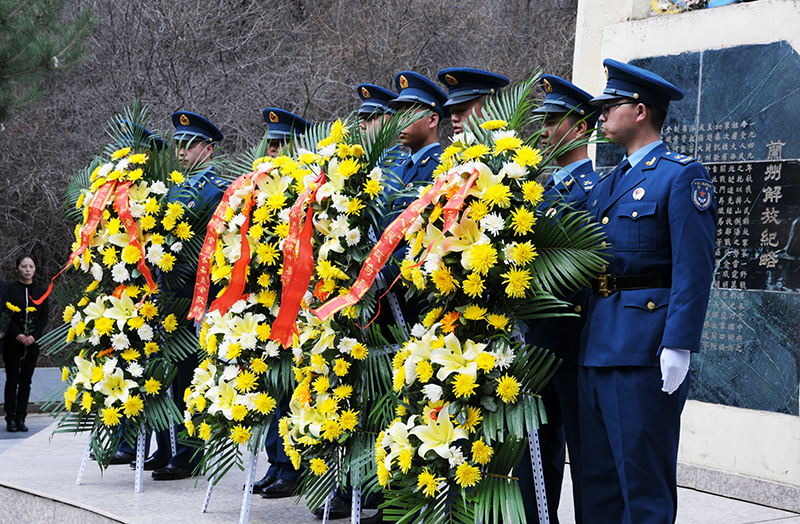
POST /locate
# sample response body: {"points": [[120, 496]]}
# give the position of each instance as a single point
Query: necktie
{"points": [[619, 171]]}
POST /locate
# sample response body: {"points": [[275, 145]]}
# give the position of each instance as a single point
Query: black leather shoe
{"points": [[259, 485], [279, 489], [151, 464], [340, 508], [120, 457], [170, 472], [21, 426], [11, 427], [377, 518]]}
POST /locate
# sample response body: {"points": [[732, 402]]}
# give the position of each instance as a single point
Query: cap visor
{"points": [[460, 99], [600, 99]]}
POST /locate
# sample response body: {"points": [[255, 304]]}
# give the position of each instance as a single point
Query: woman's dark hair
{"points": [[23, 257]]}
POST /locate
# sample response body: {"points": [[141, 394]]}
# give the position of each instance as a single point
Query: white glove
{"points": [[674, 367]]}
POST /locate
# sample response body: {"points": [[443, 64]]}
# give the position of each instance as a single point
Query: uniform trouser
{"points": [[19, 374], [630, 431], [280, 463], [186, 457]]}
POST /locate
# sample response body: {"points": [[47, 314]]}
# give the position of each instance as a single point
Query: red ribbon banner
{"points": [[298, 266], [239, 272], [203, 282], [96, 208], [124, 211]]}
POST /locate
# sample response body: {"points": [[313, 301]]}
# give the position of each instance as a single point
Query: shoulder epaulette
{"points": [[676, 157]]}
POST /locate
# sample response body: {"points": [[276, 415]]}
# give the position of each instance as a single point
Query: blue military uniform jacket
{"points": [[421, 171], [660, 219], [562, 335], [205, 190]]}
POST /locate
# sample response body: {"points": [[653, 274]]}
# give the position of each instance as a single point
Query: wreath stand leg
{"points": [[355, 502], [137, 483], [327, 509], [538, 476], [247, 498], [173, 437], [207, 499], [85, 459]]}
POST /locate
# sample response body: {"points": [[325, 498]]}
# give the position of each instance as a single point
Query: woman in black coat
{"points": [[21, 350]]}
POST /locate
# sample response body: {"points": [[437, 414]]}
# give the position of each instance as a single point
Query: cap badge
{"points": [[638, 193], [184, 120], [606, 70], [453, 81], [403, 82], [365, 92], [547, 87], [123, 128], [273, 117]]}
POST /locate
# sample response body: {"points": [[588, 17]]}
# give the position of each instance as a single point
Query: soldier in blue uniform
{"points": [[283, 125], [372, 114], [646, 312], [568, 117], [195, 139], [421, 137], [281, 479], [467, 92]]}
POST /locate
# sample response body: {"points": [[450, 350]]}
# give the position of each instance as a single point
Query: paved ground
{"points": [[34, 463]]}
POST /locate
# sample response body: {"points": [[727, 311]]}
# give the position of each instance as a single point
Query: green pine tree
{"points": [[37, 38]]}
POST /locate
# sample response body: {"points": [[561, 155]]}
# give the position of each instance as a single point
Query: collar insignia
{"points": [[650, 162]]}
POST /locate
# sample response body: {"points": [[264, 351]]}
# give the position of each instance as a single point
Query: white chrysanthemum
{"points": [[297, 352], [145, 332], [261, 199], [234, 202], [137, 209], [155, 253], [176, 247], [513, 170], [464, 139], [284, 214], [493, 224], [120, 341], [456, 456], [119, 273], [340, 202], [327, 151], [229, 373], [339, 226], [353, 237], [415, 226], [77, 317], [431, 263], [346, 345], [263, 167], [503, 133], [272, 349], [95, 338], [418, 331], [97, 271], [135, 369], [239, 306], [123, 164], [504, 359], [248, 340], [508, 254], [159, 188], [376, 174], [237, 220], [433, 392], [105, 169]]}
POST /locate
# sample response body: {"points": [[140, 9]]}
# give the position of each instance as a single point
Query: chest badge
{"points": [[638, 193]]}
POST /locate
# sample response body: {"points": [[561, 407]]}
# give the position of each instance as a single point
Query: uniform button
{"points": [[605, 220], [603, 269], [577, 309], [651, 305], [634, 214], [602, 244]]}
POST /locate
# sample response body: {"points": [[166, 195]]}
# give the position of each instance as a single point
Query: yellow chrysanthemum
{"points": [[497, 195], [69, 312], [133, 406], [384, 475], [110, 416], [359, 351], [464, 385], [474, 418], [434, 315], [493, 125], [354, 206], [372, 187], [475, 152], [424, 371], [485, 362], [70, 395], [340, 367], [318, 466], [508, 389], [131, 254], [483, 257], [238, 412], [245, 382], [183, 231], [449, 153], [481, 452], [349, 167], [267, 254], [150, 348], [234, 350], [473, 286], [330, 429], [474, 311], [170, 323], [86, 402], [120, 153], [428, 482], [522, 220], [506, 143], [177, 177], [265, 404], [497, 321], [152, 386], [204, 431], [404, 459], [444, 281], [190, 429], [342, 392], [322, 384], [240, 435], [517, 281], [130, 354], [528, 157], [348, 420], [467, 475], [167, 262], [282, 230], [258, 366]]}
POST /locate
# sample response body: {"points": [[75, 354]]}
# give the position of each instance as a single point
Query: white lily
{"points": [[438, 435], [115, 386], [456, 359]]}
